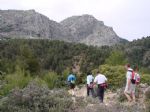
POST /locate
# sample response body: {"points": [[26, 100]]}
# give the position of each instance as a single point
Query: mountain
{"points": [[81, 29], [90, 31], [30, 24]]}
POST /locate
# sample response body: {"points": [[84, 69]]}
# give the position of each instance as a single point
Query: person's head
{"points": [[127, 66], [98, 72], [88, 73]]}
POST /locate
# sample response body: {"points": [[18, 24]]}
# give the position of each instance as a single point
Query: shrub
{"points": [[51, 79], [145, 78], [115, 75], [18, 79], [116, 58], [34, 98], [40, 81]]}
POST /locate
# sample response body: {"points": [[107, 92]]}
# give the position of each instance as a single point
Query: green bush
{"points": [[116, 58], [51, 79], [17, 80], [115, 75], [145, 70], [145, 78], [40, 81]]}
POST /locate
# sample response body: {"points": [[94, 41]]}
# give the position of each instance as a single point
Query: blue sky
{"points": [[130, 19]]}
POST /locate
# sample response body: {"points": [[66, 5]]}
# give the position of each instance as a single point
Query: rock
{"points": [[30, 24], [143, 85], [147, 93], [147, 99], [90, 31]]}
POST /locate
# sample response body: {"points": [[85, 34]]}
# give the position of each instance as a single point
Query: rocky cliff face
{"points": [[90, 31], [30, 24], [81, 29]]}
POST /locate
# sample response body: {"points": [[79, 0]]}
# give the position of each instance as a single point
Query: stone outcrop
{"points": [[30, 24], [90, 31]]}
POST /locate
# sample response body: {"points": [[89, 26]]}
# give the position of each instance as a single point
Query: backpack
{"points": [[133, 80]]}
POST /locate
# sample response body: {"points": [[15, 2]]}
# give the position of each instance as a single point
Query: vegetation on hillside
{"points": [[48, 62], [35, 56], [31, 69]]}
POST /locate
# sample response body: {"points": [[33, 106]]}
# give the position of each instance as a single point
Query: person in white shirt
{"points": [[100, 80], [129, 88], [90, 80]]}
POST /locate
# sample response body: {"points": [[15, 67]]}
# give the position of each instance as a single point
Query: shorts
{"points": [[71, 85], [131, 89]]}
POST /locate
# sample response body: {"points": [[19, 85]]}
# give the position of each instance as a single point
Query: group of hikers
{"points": [[100, 83]]}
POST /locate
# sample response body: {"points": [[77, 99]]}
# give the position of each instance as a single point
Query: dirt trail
{"points": [[109, 99], [82, 92], [111, 102]]}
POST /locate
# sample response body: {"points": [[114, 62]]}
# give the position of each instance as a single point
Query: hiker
{"points": [[71, 82], [137, 74], [90, 80], [137, 78], [100, 80], [130, 84]]}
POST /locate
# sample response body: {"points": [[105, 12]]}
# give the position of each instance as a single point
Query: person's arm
{"points": [[129, 76], [68, 78], [95, 81], [87, 80], [105, 79]]}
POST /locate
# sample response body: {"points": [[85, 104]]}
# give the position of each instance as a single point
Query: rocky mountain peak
{"points": [[90, 31], [84, 19], [31, 24]]}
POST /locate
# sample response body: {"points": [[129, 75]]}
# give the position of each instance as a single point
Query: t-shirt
{"points": [[89, 79], [129, 73], [100, 79], [137, 77], [71, 77]]}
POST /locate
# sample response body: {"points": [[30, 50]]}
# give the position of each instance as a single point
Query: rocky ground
{"points": [[114, 101]]}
